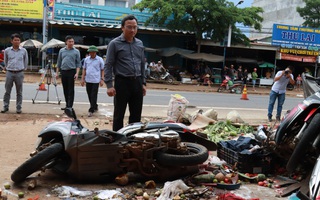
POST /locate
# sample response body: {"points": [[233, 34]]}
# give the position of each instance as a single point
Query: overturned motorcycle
{"points": [[68, 147]]}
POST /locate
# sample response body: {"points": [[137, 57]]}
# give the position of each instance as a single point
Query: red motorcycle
{"points": [[230, 86]]}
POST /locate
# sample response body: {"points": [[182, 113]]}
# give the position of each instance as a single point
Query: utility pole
{"points": [[44, 30], [230, 27]]}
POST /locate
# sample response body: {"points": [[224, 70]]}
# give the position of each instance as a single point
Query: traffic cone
{"points": [[42, 86], [244, 93]]}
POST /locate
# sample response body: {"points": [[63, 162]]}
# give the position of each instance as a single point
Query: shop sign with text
{"points": [[299, 52], [21, 9], [310, 59], [296, 37]]}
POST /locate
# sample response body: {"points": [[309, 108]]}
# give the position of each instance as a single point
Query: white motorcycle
{"points": [[164, 76]]}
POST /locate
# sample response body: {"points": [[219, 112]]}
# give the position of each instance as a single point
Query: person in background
{"points": [[245, 76], [2, 65], [160, 68], [254, 76], [146, 68], [92, 76], [240, 73], [298, 82], [231, 72], [278, 91], [82, 61], [68, 64], [16, 61], [125, 57], [207, 80]]}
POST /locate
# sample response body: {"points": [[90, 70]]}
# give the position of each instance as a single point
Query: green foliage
{"points": [[310, 13], [202, 16]]}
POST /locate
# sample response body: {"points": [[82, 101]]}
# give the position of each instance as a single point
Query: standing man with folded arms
{"points": [[16, 61], [125, 59], [68, 63]]}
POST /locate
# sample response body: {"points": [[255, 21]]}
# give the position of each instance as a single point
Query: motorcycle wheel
{"points": [[238, 90], [170, 79], [221, 89], [309, 135], [197, 155], [36, 162]]}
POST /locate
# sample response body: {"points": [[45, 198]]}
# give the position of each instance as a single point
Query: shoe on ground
{"points": [[19, 111], [278, 118], [4, 110], [269, 119], [90, 114]]}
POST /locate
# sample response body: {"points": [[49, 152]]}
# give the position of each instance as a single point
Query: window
{"points": [[115, 3], [80, 1]]}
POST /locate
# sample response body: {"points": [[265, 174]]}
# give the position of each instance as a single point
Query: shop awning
{"points": [[203, 57]]}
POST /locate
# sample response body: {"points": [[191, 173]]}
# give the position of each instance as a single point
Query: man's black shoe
{"points": [[4, 110], [19, 111], [278, 118]]}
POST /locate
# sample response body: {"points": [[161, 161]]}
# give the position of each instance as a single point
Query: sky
{"points": [[246, 3]]}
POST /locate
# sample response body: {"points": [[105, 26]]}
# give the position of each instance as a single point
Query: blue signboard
{"points": [[95, 14], [296, 37]]}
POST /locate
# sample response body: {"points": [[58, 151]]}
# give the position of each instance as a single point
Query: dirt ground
{"points": [[18, 136]]}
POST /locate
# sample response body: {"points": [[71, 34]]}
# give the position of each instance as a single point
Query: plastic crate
{"points": [[253, 163]]}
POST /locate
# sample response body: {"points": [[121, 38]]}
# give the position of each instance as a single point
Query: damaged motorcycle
{"points": [[153, 152], [300, 127], [298, 135]]}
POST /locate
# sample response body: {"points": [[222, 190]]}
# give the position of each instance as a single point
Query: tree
{"points": [[210, 17], [310, 13]]}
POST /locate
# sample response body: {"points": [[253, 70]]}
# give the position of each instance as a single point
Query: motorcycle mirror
{"points": [[70, 113]]}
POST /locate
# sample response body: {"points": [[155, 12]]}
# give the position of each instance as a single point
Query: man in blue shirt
{"points": [[16, 61], [92, 76], [69, 65], [125, 59]]}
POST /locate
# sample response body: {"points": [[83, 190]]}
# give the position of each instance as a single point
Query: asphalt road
{"points": [[155, 102]]}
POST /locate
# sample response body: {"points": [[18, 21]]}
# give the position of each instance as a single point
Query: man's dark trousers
{"points": [[92, 91], [128, 91], [67, 79]]}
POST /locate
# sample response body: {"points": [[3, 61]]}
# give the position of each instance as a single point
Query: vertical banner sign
{"points": [[26, 9], [50, 9]]}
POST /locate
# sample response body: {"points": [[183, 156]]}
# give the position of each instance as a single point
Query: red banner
{"points": [[311, 59]]}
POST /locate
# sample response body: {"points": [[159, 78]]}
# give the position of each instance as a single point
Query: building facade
{"points": [[278, 12]]}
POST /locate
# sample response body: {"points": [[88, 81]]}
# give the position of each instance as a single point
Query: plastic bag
{"points": [[177, 107], [172, 189]]}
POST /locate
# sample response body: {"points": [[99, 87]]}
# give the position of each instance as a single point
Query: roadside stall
{"points": [[267, 74]]}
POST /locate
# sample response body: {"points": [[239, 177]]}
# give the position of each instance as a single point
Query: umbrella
{"points": [[31, 44], [53, 43], [267, 64]]}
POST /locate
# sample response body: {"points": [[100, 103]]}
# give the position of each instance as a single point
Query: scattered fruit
{"points": [[7, 186], [20, 194]]}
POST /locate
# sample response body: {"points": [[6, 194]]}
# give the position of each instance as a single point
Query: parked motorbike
{"points": [[298, 134], [228, 85], [149, 150], [165, 76]]}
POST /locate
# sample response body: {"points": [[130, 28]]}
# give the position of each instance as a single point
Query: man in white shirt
{"points": [[278, 91]]}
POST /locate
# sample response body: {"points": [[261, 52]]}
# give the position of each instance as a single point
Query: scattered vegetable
{"points": [[224, 130]]}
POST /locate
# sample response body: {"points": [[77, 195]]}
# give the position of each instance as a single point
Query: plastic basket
{"points": [[254, 163]]}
